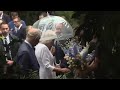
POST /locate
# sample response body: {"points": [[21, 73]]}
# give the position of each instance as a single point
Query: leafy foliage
{"points": [[107, 24], [68, 16]]}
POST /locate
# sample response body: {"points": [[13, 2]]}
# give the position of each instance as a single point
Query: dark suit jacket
{"points": [[21, 33], [59, 54], [6, 18], [14, 46], [26, 58], [12, 26]]}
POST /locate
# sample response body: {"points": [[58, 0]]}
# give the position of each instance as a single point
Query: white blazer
{"points": [[46, 62]]}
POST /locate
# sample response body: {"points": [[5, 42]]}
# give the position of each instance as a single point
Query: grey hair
{"points": [[36, 34]]}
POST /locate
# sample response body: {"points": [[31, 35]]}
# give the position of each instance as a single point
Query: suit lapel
{"points": [[10, 37]]}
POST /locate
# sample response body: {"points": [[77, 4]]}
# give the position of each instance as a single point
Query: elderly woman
{"points": [[45, 57]]}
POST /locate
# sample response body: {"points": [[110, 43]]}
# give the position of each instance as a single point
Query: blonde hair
{"points": [[48, 36]]}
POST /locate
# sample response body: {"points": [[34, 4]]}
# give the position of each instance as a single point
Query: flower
{"points": [[77, 57]]}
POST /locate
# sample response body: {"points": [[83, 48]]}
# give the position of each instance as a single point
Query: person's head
{"points": [[14, 14], [58, 28], [17, 21], [4, 28], [48, 38], [51, 12], [33, 36], [42, 15]]}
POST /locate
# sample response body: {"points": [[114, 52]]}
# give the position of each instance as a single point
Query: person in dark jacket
{"points": [[9, 44], [26, 55], [19, 31], [4, 17], [11, 23]]}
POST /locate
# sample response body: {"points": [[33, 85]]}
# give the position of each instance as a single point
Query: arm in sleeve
{"points": [[46, 59], [23, 60]]}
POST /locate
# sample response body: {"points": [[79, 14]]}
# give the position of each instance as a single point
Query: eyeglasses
{"points": [[15, 21]]}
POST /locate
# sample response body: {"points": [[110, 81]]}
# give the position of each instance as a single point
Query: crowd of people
{"points": [[24, 47]]}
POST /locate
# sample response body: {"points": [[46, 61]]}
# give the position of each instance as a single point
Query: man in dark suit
{"points": [[26, 55], [4, 17], [9, 44], [11, 23], [19, 31]]}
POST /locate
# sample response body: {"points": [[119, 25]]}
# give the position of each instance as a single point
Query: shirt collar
{"points": [[28, 43], [6, 36], [20, 26]]}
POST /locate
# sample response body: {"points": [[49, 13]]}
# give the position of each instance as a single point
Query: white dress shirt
{"points": [[7, 39], [46, 62], [28, 43]]}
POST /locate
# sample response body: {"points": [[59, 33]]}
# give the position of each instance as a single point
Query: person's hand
{"points": [[65, 70], [58, 65], [52, 50], [10, 62]]}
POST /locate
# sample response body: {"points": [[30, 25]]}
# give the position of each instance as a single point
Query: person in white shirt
{"points": [[46, 60]]}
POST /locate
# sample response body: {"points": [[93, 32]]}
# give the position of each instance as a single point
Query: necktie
{"points": [[5, 41], [6, 44], [8, 51]]}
